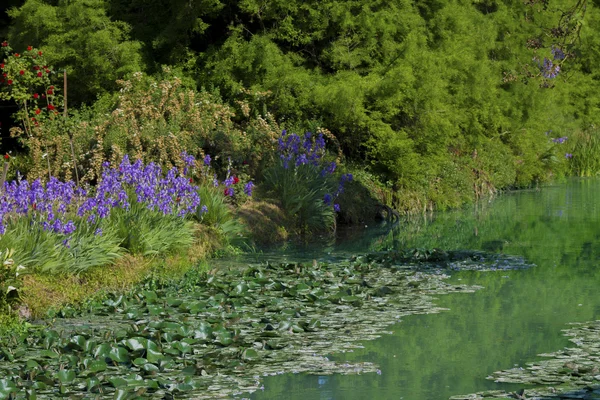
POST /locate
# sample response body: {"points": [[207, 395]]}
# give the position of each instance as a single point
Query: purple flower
{"points": [[327, 199], [336, 207], [557, 53], [248, 188], [207, 160], [203, 210], [98, 232], [69, 228], [560, 139], [229, 181], [568, 155]]}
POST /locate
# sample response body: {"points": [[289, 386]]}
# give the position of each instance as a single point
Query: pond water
{"points": [[519, 313]]}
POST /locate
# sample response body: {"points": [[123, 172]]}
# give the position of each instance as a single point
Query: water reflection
{"points": [[519, 313]]}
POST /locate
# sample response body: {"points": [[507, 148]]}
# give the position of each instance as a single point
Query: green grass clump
{"points": [[301, 191], [584, 158]]}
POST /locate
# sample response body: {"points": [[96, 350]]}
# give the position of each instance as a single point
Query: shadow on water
{"points": [[518, 315]]}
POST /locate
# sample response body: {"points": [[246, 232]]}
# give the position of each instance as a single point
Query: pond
{"points": [[317, 322], [518, 314]]}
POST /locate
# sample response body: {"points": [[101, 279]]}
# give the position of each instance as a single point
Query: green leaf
{"points": [[97, 366], [119, 354], [66, 376], [249, 354], [117, 382], [7, 387]]}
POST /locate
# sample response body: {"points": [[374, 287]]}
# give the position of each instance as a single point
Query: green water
{"points": [[518, 314]]}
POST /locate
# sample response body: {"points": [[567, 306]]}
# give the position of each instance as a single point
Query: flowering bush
{"points": [[60, 226], [303, 182], [157, 119], [26, 79]]}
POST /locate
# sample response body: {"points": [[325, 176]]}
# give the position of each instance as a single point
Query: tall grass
{"points": [[45, 251], [147, 232], [218, 214], [585, 151], [301, 192]]}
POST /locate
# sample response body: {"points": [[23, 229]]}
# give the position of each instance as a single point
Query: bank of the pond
{"points": [[44, 293]]}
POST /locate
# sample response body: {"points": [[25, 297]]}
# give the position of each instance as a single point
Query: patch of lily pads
{"points": [[571, 373], [214, 335]]}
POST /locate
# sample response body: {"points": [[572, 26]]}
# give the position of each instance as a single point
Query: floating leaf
{"points": [[119, 354], [66, 376]]}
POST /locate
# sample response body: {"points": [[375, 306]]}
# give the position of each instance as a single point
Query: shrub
{"points": [[60, 227], [301, 181]]}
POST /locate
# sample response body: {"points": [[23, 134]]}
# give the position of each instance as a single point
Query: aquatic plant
{"points": [[211, 334]]}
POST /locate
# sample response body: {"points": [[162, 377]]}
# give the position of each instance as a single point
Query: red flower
{"points": [[40, 74], [37, 67], [2, 66], [4, 44], [43, 96], [47, 71], [17, 55], [34, 206], [49, 91], [191, 180], [33, 118], [6, 157], [35, 95], [236, 180], [50, 107], [51, 86], [21, 72], [29, 48], [39, 53], [9, 82], [38, 111], [4, 74]]}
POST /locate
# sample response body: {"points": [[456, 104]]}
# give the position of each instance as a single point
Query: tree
{"points": [[78, 36]]}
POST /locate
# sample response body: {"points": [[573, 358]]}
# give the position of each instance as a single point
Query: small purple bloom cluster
{"points": [[327, 199], [53, 204], [310, 150], [49, 204], [294, 150], [170, 194], [568, 155], [230, 181], [557, 53], [560, 140], [548, 69]]}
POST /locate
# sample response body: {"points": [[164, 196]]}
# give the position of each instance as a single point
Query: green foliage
{"points": [[147, 232], [10, 283], [412, 89], [44, 251], [584, 152], [78, 36], [301, 191], [219, 215]]}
